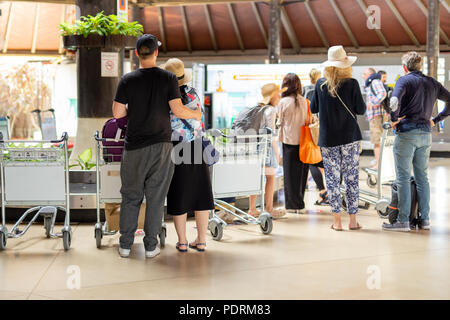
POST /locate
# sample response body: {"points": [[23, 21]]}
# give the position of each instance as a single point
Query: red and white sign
{"points": [[110, 61]]}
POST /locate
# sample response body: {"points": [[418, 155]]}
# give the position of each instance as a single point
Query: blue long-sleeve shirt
{"points": [[417, 94]]}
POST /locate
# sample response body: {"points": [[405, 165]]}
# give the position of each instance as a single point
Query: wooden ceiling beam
{"points": [[402, 22], [425, 12], [317, 25], [286, 22], [185, 28], [8, 27], [210, 27], [162, 29], [235, 26], [260, 23], [344, 24]]}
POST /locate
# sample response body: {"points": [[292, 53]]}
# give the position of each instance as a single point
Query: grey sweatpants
{"points": [[147, 171]]}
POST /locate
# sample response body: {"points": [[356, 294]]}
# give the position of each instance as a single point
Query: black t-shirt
{"points": [[147, 93]]}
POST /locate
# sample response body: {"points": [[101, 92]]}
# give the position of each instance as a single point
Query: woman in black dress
{"points": [[190, 189]]}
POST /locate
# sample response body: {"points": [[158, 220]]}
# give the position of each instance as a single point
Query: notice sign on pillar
{"points": [[110, 64], [122, 9]]}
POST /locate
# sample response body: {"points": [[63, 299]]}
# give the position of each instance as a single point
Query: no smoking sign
{"points": [[109, 64]]}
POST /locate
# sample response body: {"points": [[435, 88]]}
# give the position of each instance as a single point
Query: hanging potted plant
{"points": [[100, 31]]}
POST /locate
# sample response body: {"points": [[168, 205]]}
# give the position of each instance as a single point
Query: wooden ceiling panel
{"points": [[356, 20], [22, 26], [223, 27], [198, 28], [303, 26], [47, 38], [248, 26], [173, 25], [414, 17], [151, 22], [330, 23], [390, 27]]}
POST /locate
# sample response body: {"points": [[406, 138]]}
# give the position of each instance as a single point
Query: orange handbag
{"points": [[308, 151]]}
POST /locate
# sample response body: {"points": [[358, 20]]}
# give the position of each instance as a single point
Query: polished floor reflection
{"points": [[302, 259]]}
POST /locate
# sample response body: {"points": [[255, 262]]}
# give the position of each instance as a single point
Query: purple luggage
{"points": [[114, 129]]}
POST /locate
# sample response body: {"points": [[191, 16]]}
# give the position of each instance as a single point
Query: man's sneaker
{"points": [[424, 224], [124, 253], [397, 226], [152, 254]]}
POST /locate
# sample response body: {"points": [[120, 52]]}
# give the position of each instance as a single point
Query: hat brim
{"points": [[341, 63], [266, 100], [187, 78]]}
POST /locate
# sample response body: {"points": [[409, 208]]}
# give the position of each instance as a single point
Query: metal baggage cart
{"points": [[47, 124], [239, 172], [109, 184], [35, 173], [384, 175]]}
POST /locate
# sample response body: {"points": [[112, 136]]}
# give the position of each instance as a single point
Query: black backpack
{"points": [[386, 103], [414, 215]]}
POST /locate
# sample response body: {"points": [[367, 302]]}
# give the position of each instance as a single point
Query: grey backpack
{"points": [[249, 120]]}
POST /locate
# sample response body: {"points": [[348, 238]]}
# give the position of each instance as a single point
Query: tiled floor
{"points": [[301, 259]]}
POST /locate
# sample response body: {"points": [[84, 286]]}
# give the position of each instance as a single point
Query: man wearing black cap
{"points": [[146, 96]]}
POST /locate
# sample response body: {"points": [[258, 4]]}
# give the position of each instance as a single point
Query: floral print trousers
{"points": [[342, 162]]}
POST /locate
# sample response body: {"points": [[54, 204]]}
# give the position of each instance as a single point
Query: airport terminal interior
{"points": [[58, 79]]}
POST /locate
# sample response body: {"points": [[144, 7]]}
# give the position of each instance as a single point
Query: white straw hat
{"points": [[337, 57]]}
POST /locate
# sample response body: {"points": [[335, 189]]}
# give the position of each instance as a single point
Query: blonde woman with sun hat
{"points": [[190, 189], [338, 100]]}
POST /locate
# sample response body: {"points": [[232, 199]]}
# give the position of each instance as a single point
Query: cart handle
{"points": [[218, 133], [97, 138], [64, 137]]}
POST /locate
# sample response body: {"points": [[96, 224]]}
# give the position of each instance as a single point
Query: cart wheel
{"points": [[2, 241], [162, 237], [383, 214], [266, 223], [66, 240], [47, 226], [371, 181], [216, 229], [98, 238], [366, 206]]}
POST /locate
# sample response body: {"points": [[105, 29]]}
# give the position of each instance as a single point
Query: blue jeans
{"points": [[412, 149]]}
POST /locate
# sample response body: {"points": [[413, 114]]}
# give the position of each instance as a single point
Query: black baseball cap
{"points": [[147, 41]]}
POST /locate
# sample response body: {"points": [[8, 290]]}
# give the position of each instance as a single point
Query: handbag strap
{"points": [[187, 124], [308, 113], [351, 113]]}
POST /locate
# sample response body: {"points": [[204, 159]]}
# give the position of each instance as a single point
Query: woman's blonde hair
{"points": [[334, 77], [314, 75]]}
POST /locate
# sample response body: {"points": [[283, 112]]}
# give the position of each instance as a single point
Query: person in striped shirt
{"points": [[375, 114]]}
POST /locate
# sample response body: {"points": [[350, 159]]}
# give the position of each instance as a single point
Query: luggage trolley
{"points": [[35, 173], [109, 184], [239, 172], [384, 175]]}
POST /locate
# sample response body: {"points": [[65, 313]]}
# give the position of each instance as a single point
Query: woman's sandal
{"points": [[195, 246], [178, 245], [332, 227], [358, 227], [323, 200]]}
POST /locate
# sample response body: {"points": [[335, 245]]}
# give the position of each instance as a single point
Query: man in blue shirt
{"points": [[412, 105]]}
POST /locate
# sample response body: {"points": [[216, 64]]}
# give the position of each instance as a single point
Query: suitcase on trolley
{"points": [[393, 211], [114, 129]]}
